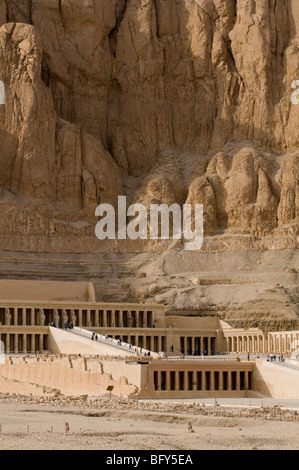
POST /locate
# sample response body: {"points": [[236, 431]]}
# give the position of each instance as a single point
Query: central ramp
{"points": [[79, 341]]}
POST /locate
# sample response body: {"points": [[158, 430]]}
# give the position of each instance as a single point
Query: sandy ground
{"points": [[117, 425]]}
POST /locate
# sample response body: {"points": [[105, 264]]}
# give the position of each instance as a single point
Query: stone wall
{"points": [[274, 380], [71, 375]]}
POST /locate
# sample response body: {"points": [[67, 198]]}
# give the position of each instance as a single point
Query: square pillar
{"points": [[212, 380], [80, 318], [246, 380], [33, 343], [238, 380], [194, 380], [7, 343], [24, 344], [32, 317], [220, 380], [229, 380], [105, 318], [209, 346], [23, 316], [88, 321], [186, 380], [159, 380], [167, 380], [203, 380], [176, 380], [15, 316], [16, 345]]}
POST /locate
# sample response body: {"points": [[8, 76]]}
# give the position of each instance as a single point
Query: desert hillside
{"points": [[161, 101]]}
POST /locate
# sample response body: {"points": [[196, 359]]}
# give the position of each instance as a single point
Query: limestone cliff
{"points": [[160, 100]]}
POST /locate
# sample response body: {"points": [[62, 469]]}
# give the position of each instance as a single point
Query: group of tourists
{"points": [[272, 357], [94, 336]]}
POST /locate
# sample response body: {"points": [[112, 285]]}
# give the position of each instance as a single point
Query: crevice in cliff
{"points": [[113, 33]]}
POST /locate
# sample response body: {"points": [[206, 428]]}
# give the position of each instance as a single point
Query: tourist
{"points": [[248, 356]]}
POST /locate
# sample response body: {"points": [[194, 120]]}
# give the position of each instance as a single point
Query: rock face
{"points": [[98, 91], [164, 101]]}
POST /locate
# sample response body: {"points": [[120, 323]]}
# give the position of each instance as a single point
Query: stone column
{"points": [[15, 316], [151, 379], [105, 318], [194, 380], [32, 317], [56, 317], [220, 380], [158, 380], [88, 318], [229, 380], [73, 317], [184, 344], [203, 380], [80, 318], [246, 380], [212, 380], [96, 319], [42, 317], [238, 380], [167, 380], [185, 380], [7, 343], [192, 345], [176, 380], [24, 344], [16, 345], [41, 342], [24, 316], [33, 343], [7, 317], [209, 346]]}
